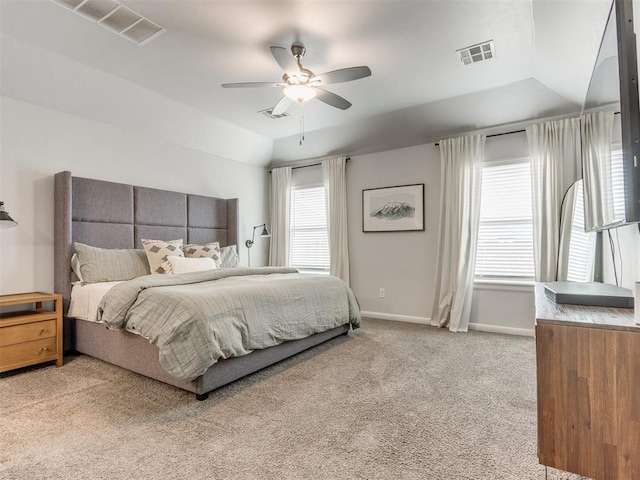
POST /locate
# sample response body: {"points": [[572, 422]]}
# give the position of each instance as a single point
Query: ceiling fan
{"points": [[301, 84]]}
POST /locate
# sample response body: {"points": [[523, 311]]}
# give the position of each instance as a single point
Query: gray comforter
{"points": [[197, 318]]}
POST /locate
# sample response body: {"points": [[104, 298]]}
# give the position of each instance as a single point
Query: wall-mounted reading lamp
{"points": [[5, 220], [249, 243]]}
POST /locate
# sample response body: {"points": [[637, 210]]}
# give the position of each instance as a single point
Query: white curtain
{"points": [[335, 186], [280, 206], [596, 160], [461, 163], [555, 164]]}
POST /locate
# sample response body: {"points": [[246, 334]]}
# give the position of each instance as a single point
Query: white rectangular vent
{"points": [[267, 113], [115, 17], [477, 53]]}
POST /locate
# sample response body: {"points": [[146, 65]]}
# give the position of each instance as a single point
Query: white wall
{"points": [[37, 76], [38, 142], [400, 262], [403, 263]]}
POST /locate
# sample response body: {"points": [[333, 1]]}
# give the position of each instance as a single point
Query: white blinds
{"points": [[309, 245], [582, 246], [505, 237]]}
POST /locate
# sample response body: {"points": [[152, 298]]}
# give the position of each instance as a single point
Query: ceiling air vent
{"points": [[477, 53], [267, 113], [115, 17]]}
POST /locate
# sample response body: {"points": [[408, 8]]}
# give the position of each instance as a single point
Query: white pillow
{"points": [[186, 264]]}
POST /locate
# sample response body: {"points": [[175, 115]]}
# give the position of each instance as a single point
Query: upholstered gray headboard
{"points": [[115, 215]]}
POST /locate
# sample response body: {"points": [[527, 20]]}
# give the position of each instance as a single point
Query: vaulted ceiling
{"points": [[544, 54]]}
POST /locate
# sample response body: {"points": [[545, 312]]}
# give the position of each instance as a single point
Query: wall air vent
{"points": [[477, 53], [115, 17], [267, 113]]}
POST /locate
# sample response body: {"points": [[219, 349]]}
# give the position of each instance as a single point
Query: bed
{"points": [[117, 216]]}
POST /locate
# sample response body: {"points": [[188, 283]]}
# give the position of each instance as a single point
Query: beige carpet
{"points": [[391, 401]]}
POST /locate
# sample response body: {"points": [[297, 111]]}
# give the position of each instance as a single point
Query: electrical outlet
{"points": [[381, 293]]}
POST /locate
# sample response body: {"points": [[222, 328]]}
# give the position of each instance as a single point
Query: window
{"points": [[505, 235], [309, 244], [581, 245]]}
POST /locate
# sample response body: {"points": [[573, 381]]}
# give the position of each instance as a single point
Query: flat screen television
{"points": [[614, 86]]}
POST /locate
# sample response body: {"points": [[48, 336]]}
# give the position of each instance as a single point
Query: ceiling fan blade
{"points": [[252, 85], [342, 75], [332, 99], [282, 106], [286, 61]]}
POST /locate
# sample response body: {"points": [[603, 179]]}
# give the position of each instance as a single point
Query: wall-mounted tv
{"points": [[612, 184]]}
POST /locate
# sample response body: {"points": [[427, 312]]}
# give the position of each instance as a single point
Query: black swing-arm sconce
{"points": [[5, 219], [249, 243]]}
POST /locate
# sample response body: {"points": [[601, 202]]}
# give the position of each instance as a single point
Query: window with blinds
{"points": [[505, 236], [309, 244], [582, 245]]}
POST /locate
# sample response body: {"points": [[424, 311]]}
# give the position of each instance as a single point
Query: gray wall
{"points": [[38, 142], [403, 263], [400, 262]]}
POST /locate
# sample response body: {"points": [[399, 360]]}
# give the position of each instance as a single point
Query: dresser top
{"points": [[548, 311], [22, 298]]}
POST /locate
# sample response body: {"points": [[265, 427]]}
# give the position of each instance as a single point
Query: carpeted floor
{"points": [[390, 401]]}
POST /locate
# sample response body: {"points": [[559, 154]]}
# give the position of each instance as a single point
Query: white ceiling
{"points": [[545, 51]]}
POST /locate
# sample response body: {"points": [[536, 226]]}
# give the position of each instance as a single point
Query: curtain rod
{"points": [[437, 144], [306, 166]]}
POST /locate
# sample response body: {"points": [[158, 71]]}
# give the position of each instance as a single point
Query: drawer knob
{"points": [[44, 330], [44, 349]]}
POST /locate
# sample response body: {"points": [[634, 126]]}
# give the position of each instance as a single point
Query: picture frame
{"points": [[393, 209]]}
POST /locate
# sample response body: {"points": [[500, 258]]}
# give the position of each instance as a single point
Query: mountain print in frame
{"points": [[393, 209]]}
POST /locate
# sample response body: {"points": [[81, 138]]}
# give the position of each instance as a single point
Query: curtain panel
{"points": [[597, 132], [554, 148], [280, 208], [335, 185], [461, 163]]}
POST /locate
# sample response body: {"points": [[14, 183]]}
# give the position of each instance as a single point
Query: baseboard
{"points": [[480, 327], [397, 318], [483, 327]]}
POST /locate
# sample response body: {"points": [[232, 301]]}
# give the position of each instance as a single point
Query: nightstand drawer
{"points": [[27, 353], [27, 332]]}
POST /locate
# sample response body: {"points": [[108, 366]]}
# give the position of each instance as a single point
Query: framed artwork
{"points": [[393, 209]]}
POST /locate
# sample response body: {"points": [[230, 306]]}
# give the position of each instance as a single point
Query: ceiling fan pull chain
{"points": [[301, 139]]}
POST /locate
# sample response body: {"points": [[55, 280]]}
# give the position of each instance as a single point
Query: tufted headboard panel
{"points": [[115, 215]]}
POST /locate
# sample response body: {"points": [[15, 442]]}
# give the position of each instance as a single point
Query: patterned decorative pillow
{"points": [[109, 265], [229, 257], [208, 250], [158, 251]]}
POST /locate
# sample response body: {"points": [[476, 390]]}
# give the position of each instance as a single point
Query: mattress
{"points": [[86, 298]]}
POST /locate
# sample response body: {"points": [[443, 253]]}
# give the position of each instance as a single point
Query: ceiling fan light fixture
{"points": [[300, 93]]}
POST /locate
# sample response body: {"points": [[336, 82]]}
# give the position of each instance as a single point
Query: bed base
{"points": [[135, 353]]}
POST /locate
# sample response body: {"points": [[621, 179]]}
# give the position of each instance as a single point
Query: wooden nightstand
{"points": [[30, 336]]}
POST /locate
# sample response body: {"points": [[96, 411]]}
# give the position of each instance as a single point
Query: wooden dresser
{"points": [[588, 372], [32, 334]]}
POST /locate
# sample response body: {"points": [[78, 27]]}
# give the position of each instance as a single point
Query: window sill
{"points": [[504, 284], [312, 272]]}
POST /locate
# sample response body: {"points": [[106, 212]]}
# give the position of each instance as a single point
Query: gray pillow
{"points": [[229, 257], [110, 265]]}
